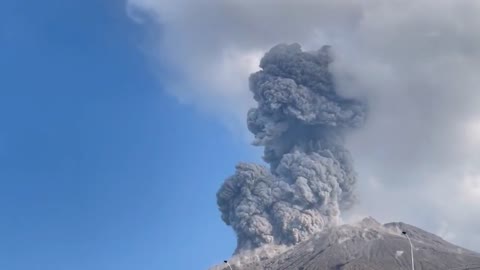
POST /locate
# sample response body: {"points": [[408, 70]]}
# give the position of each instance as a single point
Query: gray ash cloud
{"points": [[301, 122]]}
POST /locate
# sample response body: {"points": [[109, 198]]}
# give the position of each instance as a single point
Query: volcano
{"points": [[366, 245]]}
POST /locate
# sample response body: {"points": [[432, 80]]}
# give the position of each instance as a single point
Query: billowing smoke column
{"points": [[301, 122]]}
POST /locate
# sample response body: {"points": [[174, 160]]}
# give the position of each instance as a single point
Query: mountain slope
{"points": [[370, 245]]}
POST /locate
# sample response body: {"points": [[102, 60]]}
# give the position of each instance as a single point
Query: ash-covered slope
{"points": [[369, 245]]}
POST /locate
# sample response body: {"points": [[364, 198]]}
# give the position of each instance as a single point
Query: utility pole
{"points": [[411, 248], [228, 265]]}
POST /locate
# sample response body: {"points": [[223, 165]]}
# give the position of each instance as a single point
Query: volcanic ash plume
{"points": [[301, 121]]}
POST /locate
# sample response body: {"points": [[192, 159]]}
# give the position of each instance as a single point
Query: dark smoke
{"points": [[301, 121]]}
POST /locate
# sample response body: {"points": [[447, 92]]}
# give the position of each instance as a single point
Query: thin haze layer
{"points": [[301, 121]]}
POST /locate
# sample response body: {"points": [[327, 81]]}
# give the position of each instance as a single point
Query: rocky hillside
{"points": [[367, 245]]}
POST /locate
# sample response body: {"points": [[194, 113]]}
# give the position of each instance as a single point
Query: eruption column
{"points": [[301, 122]]}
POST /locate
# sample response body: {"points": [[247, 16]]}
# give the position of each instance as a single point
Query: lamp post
{"points": [[228, 265], [411, 248]]}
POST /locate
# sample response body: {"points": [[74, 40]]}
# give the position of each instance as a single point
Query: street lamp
{"points": [[411, 248], [228, 265]]}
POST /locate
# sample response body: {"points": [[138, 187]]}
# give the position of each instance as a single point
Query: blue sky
{"points": [[99, 167]]}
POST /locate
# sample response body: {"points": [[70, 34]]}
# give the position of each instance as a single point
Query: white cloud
{"points": [[416, 61]]}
